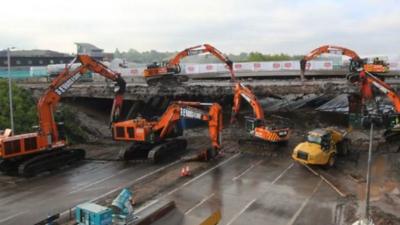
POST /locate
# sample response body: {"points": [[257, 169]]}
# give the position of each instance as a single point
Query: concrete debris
{"points": [[337, 104]]}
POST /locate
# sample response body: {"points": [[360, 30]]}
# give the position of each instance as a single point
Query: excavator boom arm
{"points": [[367, 79], [199, 49], [327, 49], [179, 110], [120, 86], [215, 125], [64, 81], [242, 91], [331, 49]]}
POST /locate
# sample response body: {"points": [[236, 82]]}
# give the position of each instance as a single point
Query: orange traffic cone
{"points": [[183, 172]]}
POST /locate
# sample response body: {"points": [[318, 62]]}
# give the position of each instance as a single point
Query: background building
{"points": [[89, 49], [27, 58]]}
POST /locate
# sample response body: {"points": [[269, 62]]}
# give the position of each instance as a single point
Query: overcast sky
{"points": [[233, 26]]}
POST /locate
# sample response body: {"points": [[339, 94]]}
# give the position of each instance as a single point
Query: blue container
{"points": [[15, 74], [93, 214], [123, 197]]}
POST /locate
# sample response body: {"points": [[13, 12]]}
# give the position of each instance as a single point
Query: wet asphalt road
{"points": [[33, 200], [254, 190], [247, 189]]}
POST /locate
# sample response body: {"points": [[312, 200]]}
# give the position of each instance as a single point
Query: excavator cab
{"points": [[393, 129], [321, 137], [355, 65], [251, 123], [326, 142], [153, 65], [394, 121]]}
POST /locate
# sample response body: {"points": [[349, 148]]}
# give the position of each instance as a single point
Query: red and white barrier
{"points": [[191, 68], [208, 68], [262, 66], [247, 66], [257, 66], [129, 72], [319, 65], [286, 65], [394, 66], [221, 67]]}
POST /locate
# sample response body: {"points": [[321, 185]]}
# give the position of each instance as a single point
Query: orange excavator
{"points": [[256, 126], [356, 63], [166, 72], [155, 140], [46, 149], [366, 81]]}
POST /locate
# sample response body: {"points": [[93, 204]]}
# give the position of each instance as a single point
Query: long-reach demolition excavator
{"points": [[45, 149], [256, 126], [366, 81], [166, 72], [154, 140], [378, 66]]}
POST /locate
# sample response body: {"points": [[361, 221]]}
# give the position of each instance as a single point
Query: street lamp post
{"points": [[368, 188], [10, 89], [366, 220]]}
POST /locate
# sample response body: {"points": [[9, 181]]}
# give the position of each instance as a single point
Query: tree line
{"points": [[148, 57], [26, 117]]}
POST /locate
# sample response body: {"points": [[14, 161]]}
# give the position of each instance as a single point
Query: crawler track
{"points": [[154, 153], [49, 160]]}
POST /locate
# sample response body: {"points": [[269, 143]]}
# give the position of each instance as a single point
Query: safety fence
{"points": [[192, 68], [256, 66]]}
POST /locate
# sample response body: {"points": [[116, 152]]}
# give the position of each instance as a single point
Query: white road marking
{"points": [[247, 170], [97, 182], [341, 193], [199, 204], [204, 173], [147, 206], [136, 180], [297, 214], [66, 212], [13, 216], [241, 212], [252, 201], [280, 175]]}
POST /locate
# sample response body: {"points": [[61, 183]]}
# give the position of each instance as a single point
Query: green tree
{"points": [[24, 106], [73, 131], [256, 56], [151, 56], [25, 114]]}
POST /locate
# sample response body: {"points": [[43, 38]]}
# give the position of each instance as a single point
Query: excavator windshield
{"points": [[312, 138], [323, 139]]}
